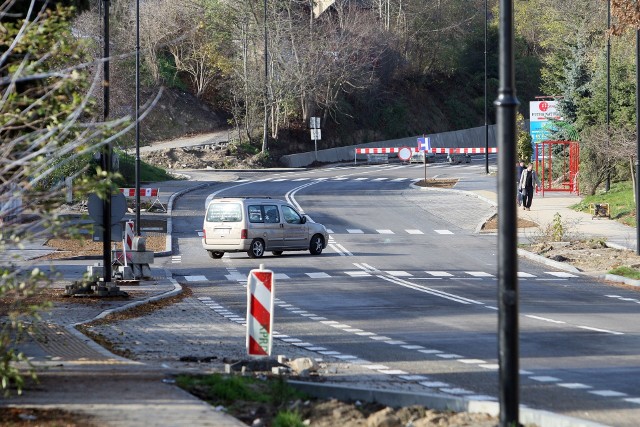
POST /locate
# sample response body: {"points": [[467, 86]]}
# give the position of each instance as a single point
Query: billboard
{"points": [[540, 113]]}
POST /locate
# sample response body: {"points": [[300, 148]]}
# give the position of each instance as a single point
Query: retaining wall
{"points": [[473, 138]]}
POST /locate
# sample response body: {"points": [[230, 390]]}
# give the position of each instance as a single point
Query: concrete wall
{"points": [[472, 138]]}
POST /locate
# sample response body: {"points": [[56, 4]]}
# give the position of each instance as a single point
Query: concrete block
{"points": [[145, 257]]}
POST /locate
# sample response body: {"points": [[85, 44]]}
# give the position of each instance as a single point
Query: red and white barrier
{"points": [[260, 295], [128, 236], [388, 150], [145, 192]]}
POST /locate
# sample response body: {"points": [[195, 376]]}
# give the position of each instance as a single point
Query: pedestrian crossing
{"points": [[383, 231], [418, 275], [343, 179]]}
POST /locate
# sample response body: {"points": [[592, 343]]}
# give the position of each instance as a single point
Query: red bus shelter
{"points": [[557, 165]]}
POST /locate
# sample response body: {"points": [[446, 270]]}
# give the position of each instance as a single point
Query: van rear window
{"points": [[224, 212]]}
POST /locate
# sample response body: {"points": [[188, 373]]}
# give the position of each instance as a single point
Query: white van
{"points": [[256, 225]]}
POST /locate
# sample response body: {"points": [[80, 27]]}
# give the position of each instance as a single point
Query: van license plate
{"points": [[222, 231]]}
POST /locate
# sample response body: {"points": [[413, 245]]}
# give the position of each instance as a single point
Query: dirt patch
{"points": [[590, 256], [68, 248], [437, 183], [492, 223], [23, 417]]}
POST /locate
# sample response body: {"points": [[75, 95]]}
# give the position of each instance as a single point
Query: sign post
{"points": [[424, 145], [260, 296], [540, 112], [316, 134]]}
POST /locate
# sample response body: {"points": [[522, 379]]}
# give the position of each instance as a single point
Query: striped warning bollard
{"points": [[260, 293]]}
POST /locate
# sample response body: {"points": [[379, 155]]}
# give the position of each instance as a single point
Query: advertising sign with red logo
{"points": [[540, 114]]}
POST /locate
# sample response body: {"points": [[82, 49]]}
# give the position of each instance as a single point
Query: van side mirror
{"points": [[304, 219]]}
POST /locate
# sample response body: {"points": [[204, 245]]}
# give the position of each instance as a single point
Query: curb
{"points": [[438, 402], [177, 289]]}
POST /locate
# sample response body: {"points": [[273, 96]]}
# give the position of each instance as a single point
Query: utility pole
{"points": [[506, 109]]}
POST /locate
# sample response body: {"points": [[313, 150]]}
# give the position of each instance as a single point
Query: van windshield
{"points": [[224, 212]]}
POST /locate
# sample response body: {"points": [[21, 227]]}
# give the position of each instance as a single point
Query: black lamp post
{"points": [[266, 82], [137, 177], [506, 109], [106, 155], [486, 126]]}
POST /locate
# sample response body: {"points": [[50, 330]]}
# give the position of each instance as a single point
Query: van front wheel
{"points": [[257, 249], [216, 255], [316, 244]]}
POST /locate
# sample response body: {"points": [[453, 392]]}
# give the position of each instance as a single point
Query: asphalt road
{"points": [[407, 287]]}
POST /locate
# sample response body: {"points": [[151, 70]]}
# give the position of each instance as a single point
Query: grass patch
{"points": [[622, 205], [241, 395], [148, 173], [624, 271]]}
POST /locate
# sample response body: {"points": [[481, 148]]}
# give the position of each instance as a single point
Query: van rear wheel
{"points": [[215, 254], [256, 250], [316, 244]]}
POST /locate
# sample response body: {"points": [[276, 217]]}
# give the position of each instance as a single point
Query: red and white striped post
{"points": [[260, 295], [127, 241]]}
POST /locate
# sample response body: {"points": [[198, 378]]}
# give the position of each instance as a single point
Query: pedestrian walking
{"points": [[519, 168], [528, 180]]}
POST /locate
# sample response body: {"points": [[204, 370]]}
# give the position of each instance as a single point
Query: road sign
{"points": [[314, 123], [316, 134], [118, 207], [260, 296], [404, 154], [424, 144]]}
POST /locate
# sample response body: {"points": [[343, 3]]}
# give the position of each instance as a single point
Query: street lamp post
{"points": [[137, 177], [637, 139], [506, 108], [486, 126], [106, 155], [266, 82]]}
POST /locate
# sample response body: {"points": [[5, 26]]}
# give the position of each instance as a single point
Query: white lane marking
{"points": [[607, 393], [330, 231], [360, 179], [280, 276], [395, 342], [345, 357], [200, 233], [448, 356], [491, 366], [633, 400], [354, 231], [329, 353], [300, 179], [176, 259], [439, 273], [431, 291], [379, 338], [385, 232], [545, 379], [195, 278], [399, 179], [414, 231], [606, 331], [430, 351], [399, 273], [412, 347], [339, 178], [472, 361], [544, 319], [316, 348], [380, 179], [320, 275], [574, 386], [365, 334], [524, 275], [560, 274], [478, 274], [443, 231], [236, 277], [357, 273]]}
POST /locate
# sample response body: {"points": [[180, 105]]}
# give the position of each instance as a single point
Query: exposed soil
{"points": [[68, 248], [31, 417]]}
